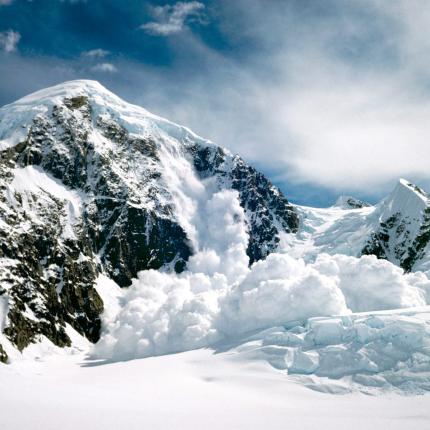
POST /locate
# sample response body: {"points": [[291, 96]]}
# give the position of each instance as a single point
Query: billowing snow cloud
{"points": [[9, 40], [171, 19], [219, 297]]}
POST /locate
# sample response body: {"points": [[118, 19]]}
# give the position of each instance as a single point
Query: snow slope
{"points": [[333, 230], [397, 229], [192, 390]]}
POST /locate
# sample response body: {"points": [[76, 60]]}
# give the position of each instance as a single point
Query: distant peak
{"points": [[348, 202], [406, 198], [415, 188], [405, 186]]}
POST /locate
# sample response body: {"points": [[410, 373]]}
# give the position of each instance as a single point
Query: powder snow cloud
{"points": [[219, 297]]}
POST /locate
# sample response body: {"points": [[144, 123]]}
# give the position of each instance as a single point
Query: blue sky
{"points": [[325, 97]]}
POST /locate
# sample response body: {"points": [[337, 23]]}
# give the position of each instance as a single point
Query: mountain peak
{"points": [[16, 117], [404, 183], [348, 202], [406, 198], [66, 89]]}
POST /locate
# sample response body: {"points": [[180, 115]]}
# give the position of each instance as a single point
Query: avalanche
{"points": [[279, 303]]}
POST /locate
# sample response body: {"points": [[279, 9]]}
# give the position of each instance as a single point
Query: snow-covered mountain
{"points": [[397, 229], [94, 188], [403, 233], [348, 202], [91, 184]]}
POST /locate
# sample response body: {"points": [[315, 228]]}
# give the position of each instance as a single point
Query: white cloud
{"points": [[9, 40], [358, 123], [104, 67], [171, 19], [339, 100], [5, 2], [96, 53]]}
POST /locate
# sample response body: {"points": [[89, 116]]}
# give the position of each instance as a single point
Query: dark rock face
{"points": [[51, 256], [140, 240], [348, 202], [395, 239], [378, 243], [3, 355], [355, 203], [268, 212], [416, 250], [36, 263]]}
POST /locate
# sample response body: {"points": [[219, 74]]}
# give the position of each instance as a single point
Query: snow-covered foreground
{"points": [[368, 352], [193, 390]]}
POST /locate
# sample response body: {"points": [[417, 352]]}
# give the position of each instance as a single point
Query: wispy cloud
{"points": [[9, 40], [95, 53], [5, 2], [104, 67], [332, 95], [338, 99], [171, 19]]}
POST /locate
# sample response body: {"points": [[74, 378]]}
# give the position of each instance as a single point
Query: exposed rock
{"points": [[3, 356], [267, 211], [347, 202], [404, 230]]}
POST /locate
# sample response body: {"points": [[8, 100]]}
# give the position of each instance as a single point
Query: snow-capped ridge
{"points": [[406, 198], [414, 188], [18, 115]]}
